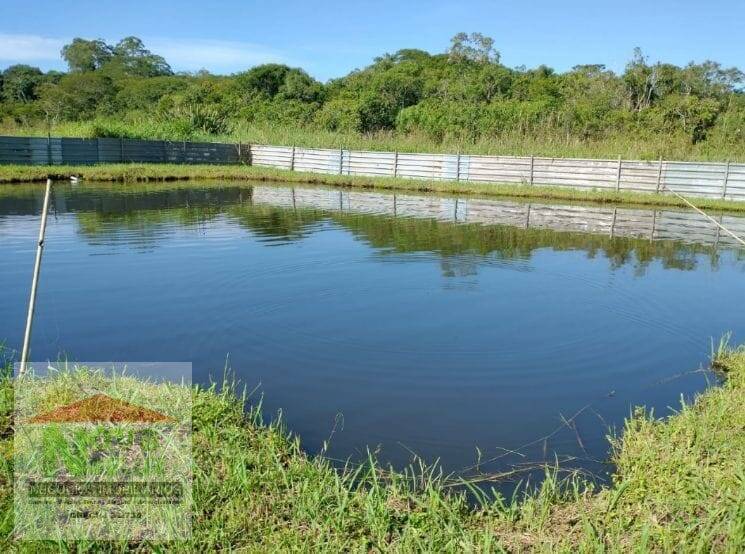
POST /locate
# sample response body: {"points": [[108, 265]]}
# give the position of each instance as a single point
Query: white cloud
{"points": [[218, 56], [29, 48]]}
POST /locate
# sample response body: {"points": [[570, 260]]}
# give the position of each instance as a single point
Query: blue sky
{"points": [[329, 39]]}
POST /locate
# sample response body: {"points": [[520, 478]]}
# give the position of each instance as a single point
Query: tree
{"points": [[411, 55], [695, 116], [710, 79], [86, 55], [298, 85], [641, 81], [130, 57], [20, 82], [78, 96], [264, 79], [144, 94], [474, 47]]}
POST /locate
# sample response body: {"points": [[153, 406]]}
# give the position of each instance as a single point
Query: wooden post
{"points": [[250, 154], [240, 156], [618, 175], [726, 178], [532, 163], [395, 164], [659, 175], [49, 148], [341, 160], [35, 280], [292, 159], [457, 172]]}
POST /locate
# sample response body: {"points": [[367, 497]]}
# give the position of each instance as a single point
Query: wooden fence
{"points": [[675, 225], [708, 179]]}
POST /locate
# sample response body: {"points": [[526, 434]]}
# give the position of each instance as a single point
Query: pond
{"points": [[456, 329]]}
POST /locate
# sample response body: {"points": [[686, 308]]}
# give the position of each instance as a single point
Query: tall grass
{"points": [[550, 143]]}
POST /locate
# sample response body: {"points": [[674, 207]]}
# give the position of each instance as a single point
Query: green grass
{"points": [[550, 143], [679, 487], [174, 172]]}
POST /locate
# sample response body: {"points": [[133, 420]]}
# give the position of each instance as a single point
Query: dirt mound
{"points": [[100, 408]]}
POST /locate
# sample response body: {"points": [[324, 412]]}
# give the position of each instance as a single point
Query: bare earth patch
{"points": [[100, 408]]}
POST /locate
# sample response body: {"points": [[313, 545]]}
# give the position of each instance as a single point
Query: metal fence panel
{"points": [[704, 179]]}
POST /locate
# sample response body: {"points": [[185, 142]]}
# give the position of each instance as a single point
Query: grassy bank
{"points": [[679, 486], [173, 172]]}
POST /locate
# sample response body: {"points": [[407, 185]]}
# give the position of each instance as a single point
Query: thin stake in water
{"points": [[35, 279]]}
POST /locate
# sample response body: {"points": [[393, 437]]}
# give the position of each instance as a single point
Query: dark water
{"points": [[380, 318]]}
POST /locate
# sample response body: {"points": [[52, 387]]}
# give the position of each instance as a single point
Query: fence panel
{"points": [[700, 179], [30, 150], [427, 166], [593, 174], [77, 151], [375, 164], [704, 179], [110, 150], [735, 182], [271, 156], [495, 169], [317, 160]]}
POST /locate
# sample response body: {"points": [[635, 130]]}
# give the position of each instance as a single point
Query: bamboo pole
{"points": [[707, 216], [35, 280]]}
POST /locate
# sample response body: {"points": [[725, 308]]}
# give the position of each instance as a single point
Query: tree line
{"points": [[465, 93]]}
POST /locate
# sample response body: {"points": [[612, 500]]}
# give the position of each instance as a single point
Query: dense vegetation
{"points": [[464, 98]]}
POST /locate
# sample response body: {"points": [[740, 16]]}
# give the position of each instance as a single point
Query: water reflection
{"points": [[509, 229], [435, 322]]}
